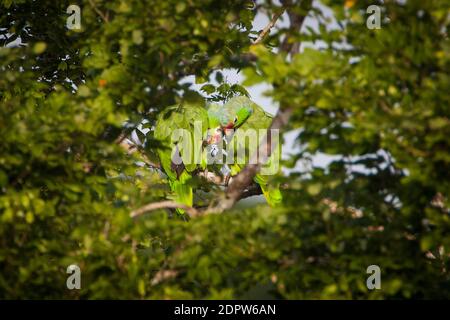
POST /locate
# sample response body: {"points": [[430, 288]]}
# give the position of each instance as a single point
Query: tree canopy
{"points": [[377, 101]]}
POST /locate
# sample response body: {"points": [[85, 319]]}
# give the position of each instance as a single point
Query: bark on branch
{"points": [[105, 17], [253, 190], [296, 20], [269, 27], [163, 205], [131, 148]]}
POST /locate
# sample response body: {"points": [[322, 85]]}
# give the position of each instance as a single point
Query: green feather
{"points": [[240, 111], [271, 192], [183, 194], [178, 172], [257, 119]]}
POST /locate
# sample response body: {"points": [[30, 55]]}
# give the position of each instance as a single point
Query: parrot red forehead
{"points": [[229, 126]]}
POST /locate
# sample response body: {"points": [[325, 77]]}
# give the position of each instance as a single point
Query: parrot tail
{"points": [[183, 194], [272, 193]]}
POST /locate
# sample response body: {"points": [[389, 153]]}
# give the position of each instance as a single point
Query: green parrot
{"points": [[232, 120], [182, 154], [187, 133]]}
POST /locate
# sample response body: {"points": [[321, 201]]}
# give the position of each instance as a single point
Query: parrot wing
{"points": [[243, 139], [181, 130]]}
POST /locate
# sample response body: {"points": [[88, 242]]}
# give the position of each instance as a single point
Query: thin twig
{"points": [[163, 205], [132, 148], [101, 14], [267, 29]]}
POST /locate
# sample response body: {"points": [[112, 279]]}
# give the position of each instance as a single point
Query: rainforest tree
{"points": [[375, 100]]}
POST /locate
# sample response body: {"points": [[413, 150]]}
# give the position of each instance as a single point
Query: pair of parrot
{"points": [[208, 126]]}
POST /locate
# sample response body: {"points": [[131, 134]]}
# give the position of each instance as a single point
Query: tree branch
{"points": [[296, 22], [253, 190], [267, 29], [163, 205], [132, 148], [101, 14]]}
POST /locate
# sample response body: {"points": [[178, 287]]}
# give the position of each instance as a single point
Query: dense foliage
{"points": [[376, 100]]}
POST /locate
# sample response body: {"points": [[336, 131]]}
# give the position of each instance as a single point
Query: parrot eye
{"points": [[235, 119]]}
